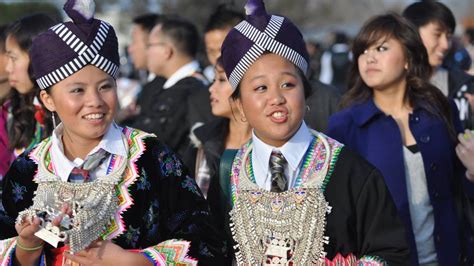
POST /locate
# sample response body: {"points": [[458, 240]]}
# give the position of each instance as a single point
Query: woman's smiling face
{"points": [[86, 102], [272, 99]]}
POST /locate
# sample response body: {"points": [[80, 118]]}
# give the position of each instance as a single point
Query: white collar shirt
{"points": [[293, 151], [185, 71], [111, 142]]}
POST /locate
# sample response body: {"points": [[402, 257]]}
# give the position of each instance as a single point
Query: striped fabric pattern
{"points": [[264, 41], [85, 55]]}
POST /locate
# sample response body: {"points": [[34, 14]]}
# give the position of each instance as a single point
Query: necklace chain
{"points": [[292, 222], [94, 203]]}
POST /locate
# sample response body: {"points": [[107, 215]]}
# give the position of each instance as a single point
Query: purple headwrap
{"points": [[67, 47], [258, 34]]}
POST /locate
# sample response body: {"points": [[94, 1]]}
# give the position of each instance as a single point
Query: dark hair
{"points": [[424, 12], [147, 21], [182, 32], [3, 37], [419, 91], [306, 84], [220, 66], [22, 130], [340, 37], [219, 62], [223, 18], [469, 32]]}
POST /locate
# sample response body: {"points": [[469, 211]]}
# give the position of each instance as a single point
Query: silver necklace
{"points": [[281, 228], [93, 204]]}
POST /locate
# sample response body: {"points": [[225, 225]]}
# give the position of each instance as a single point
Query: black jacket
{"points": [[322, 103], [459, 83], [166, 112], [166, 201], [211, 138]]}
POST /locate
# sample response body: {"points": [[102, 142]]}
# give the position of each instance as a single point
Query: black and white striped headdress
{"points": [[68, 47], [258, 34]]}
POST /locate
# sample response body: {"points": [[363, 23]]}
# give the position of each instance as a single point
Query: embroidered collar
{"points": [[315, 172], [111, 142], [136, 143]]}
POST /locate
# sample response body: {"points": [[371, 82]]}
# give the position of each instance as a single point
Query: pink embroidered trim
{"points": [[170, 252], [137, 148], [6, 249], [351, 260], [157, 258], [35, 152]]}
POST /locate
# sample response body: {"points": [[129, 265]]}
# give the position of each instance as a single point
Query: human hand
{"points": [[29, 224], [26, 230], [465, 152], [104, 252]]}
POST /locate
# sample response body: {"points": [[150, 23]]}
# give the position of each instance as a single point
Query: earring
{"points": [[54, 119], [308, 108]]}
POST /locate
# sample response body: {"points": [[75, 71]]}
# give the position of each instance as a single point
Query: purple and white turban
{"points": [[258, 34], [67, 47]]}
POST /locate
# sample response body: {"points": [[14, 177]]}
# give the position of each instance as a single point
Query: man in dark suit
{"points": [[141, 28], [172, 47]]}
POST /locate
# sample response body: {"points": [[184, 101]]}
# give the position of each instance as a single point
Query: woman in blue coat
{"points": [[406, 128]]}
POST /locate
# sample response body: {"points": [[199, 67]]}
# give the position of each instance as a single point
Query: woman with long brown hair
{"points": [[407, 128], [30, 122]]}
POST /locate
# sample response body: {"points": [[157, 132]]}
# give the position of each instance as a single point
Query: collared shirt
{"points": [[293, 151], [183, 72], [111, 142], [150, 77]]}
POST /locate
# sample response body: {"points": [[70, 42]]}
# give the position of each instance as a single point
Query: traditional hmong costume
{"points": [[156, 201], [336, 209], [139, 195]]}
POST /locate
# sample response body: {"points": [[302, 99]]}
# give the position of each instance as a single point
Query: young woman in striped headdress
{"points": [[298, 196], [93, 192]]}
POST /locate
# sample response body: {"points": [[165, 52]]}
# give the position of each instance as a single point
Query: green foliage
{"points": [[14, 11]]}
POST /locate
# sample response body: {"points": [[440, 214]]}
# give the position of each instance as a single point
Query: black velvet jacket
{"points": [[166, 202]]}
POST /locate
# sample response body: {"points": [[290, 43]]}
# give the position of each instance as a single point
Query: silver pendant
{"points": [[93, 204]]}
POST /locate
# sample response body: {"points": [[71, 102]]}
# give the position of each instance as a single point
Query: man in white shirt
{"points": [[183, 100]]}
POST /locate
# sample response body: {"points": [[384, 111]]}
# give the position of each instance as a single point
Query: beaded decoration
{"points": [[314, 160], [287, 228], [109, 190], [282, 228]]}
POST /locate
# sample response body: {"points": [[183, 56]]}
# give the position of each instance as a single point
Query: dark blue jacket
{"points": [[376, 136]]}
